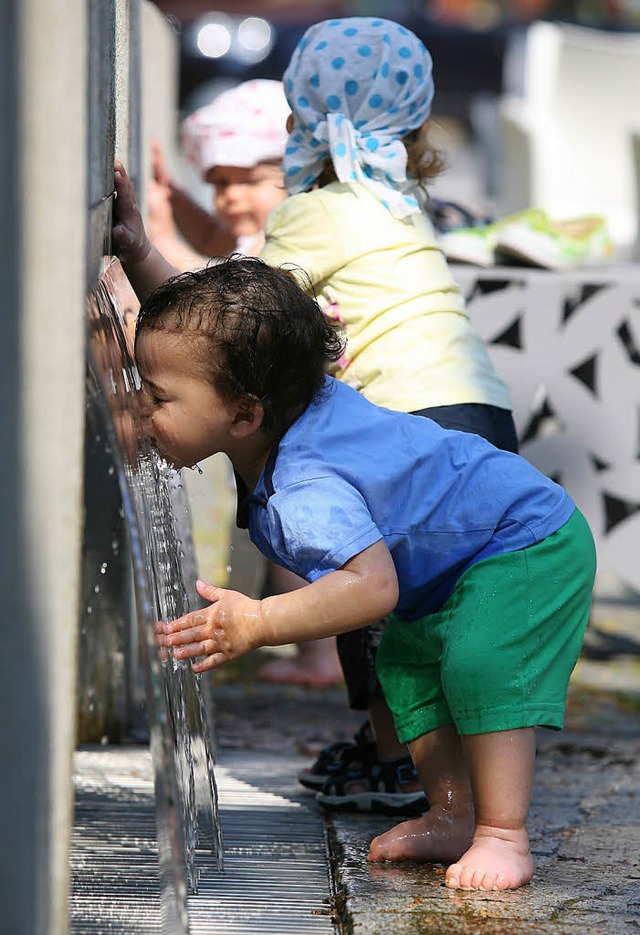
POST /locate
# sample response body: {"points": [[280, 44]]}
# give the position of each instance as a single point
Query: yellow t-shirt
{"points": [[410, 343]]}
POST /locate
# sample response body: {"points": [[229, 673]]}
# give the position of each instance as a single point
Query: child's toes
{"points": [[463, 876], [459, 877], [452, 878]]}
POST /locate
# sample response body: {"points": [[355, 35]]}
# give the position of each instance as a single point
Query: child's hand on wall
{"points": [[130, 241], [230, 627], [144, 265]]}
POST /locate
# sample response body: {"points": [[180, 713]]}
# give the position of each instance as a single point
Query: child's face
{"points": [[244, 198], [185, 416]]}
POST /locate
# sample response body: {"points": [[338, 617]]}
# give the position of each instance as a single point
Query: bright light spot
{"points": [[214, 40], [254, 34]]}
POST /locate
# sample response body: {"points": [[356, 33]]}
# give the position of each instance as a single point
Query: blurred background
{"points": [[225, 41], [477, 47]]}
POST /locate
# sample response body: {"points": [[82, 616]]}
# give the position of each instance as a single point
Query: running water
{"points": [[158, 525]]}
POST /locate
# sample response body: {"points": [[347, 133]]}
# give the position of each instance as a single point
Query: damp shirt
{"points": [[348, 473], [410, 342]]}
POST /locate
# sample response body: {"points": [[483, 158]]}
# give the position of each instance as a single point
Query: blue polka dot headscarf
{"points": [[356, 86]]}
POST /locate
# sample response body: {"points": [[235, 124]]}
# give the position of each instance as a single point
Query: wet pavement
{"points": [[290, 867], [585, 837], [584, 821]]}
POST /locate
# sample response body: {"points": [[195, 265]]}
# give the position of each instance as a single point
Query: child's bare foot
{"points": [[294, 672], [498, 859], [316, 664], [440, 836]]}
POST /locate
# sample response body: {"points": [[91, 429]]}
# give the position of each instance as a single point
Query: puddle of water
{"points": [[158, 528]]}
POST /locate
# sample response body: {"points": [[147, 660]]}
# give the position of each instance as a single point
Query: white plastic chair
{"points": [[567, 135]]}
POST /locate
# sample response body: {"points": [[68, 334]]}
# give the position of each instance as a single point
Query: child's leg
{"points": [[384, 730], [534, 633], [445, 832], [501, 766], [358, 650], [490, 850]]}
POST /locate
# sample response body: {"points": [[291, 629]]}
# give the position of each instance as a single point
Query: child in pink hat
{"points": [[236, 143]]}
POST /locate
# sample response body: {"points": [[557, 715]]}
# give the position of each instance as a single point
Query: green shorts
{"points": [[500, 652]]}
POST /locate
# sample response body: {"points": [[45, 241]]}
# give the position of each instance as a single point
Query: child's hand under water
{"points": [[229, 628]]}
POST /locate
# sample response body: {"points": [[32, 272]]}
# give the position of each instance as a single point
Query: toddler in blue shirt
{"points": [[485, 566]]}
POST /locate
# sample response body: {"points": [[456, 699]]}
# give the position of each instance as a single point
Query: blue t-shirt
{"points": [[348, 473]]}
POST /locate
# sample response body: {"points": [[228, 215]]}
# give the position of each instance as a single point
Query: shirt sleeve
{"points": [[317, 525], [302, 231]]}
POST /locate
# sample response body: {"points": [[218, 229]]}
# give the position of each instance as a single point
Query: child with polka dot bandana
{"points": [[356, 166], [356, 222]]}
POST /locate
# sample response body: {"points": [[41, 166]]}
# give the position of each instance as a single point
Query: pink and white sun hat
{"points": [[241, 127]]}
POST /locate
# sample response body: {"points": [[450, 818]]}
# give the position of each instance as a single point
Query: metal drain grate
{"points": [[276, 877]]}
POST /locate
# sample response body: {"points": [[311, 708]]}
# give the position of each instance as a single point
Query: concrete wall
{"points": [[43, 274], [51, 246]]}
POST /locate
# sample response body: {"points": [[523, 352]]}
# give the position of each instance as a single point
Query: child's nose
{"points": [[234, 190]]}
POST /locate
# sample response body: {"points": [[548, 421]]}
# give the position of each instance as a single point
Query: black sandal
{"points": [[337, 757], [370, 785]]}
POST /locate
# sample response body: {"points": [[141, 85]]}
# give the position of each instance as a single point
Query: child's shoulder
{"points": [[326, 193], [339, 411], [306, 210], [295, 206], [353, 198]]}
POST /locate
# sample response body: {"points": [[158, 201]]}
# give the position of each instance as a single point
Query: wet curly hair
{"points": [[257, 334]]}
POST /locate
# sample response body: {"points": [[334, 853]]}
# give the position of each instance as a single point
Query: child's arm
{"points": [[145, 267], [199, 227], [361, 592], [163, 232]]}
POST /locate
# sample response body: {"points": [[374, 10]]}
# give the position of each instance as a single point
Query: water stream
{"points": [[158, 526]]}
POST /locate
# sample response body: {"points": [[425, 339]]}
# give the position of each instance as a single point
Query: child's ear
{"points": [[248, 418]]}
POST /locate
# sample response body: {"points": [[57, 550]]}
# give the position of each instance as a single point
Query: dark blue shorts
{"points": [[496, 425]]}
